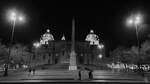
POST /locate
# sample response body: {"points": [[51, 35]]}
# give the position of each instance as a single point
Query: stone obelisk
{"points": [[73, 65]]}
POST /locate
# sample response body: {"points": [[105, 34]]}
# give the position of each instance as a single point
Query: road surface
{"points": [[67, 76]]}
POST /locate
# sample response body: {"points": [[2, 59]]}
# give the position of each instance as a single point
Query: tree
{"points": [[3, 53], [20, 54], [145, 52], [132, 55], [117, 54], [39, 54], [124, 55]]}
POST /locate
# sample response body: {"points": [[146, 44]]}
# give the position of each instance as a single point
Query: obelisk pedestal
{"points": [[72, 65]]}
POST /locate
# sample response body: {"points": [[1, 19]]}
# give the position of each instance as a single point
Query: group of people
{"points": [[86, 72], [31, 71]]}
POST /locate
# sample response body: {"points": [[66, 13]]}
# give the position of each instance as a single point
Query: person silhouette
{"points": [[90, 74], [33, 71], [29, 72], [79, 74]]}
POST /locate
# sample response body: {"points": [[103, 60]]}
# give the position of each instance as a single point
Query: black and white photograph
{"points": [[101, 42]]}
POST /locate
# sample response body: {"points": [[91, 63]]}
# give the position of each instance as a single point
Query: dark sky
{"points": [[106, 18]]}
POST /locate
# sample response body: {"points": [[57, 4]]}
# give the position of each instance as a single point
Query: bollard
{"points": [[76, 76], [84, 75]]}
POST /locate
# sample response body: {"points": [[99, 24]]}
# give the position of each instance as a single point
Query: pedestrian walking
{"points": [[90, 74], [79, 75], [29, 72], [5, 71], [33, 71]]}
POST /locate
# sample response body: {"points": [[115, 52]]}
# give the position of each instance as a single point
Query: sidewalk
{"points": [[54, 75], [40, 75]]}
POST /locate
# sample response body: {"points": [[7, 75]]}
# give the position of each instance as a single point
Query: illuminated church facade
{"points": [[90, 51]]}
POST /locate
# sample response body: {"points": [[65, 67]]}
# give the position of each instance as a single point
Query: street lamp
{"points": [[36, 45], [13, 16], [136, 20], [100, 46], [100, 56]]}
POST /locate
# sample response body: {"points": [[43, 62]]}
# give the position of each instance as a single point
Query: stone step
{"points": [[52, 77], [118, 77]]}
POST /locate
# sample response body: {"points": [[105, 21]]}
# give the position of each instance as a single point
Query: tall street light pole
{"points": [[36, 45], [138, 42], [13, 17], [136, 20]]}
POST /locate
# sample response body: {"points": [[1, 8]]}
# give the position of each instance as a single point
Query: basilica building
{"points": [[51, 51]]}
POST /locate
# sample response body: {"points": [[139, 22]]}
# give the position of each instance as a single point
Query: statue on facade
{"points": [[63, 38]]}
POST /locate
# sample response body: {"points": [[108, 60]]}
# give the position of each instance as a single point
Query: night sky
{"points": [[106, 18]]}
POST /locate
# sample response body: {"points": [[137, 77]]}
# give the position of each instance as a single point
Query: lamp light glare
{"points": [[37, 44], [134, 20], [138, 19], [100, 56], [20, 18], [130, 21], [13, 16], [100, 46]]}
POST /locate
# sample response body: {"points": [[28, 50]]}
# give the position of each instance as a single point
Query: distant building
{"points": [[90, 51], [46, 37]]}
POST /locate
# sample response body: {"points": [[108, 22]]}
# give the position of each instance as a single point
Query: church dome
{"points": [[46, 37], [92, 38]]}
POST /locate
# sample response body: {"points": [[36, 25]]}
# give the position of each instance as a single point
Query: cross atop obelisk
{"points": [[73, 65]]}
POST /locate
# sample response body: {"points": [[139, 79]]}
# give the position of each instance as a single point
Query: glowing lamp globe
{"points": [[134, 20], [100, 56], [12, 16], [37, 44]]}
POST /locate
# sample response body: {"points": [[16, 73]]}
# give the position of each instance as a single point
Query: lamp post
{"points": [[13, 16], [136, 20], [35, 45]]}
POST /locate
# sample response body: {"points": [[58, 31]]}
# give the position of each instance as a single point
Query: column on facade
{"points": [[90, 58], [94, 57], [54, 57], [80, 58], [51, 57], [53, 54], [46, 58], [77, 58], [91, 55], [85, 58], [59, 57]]}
